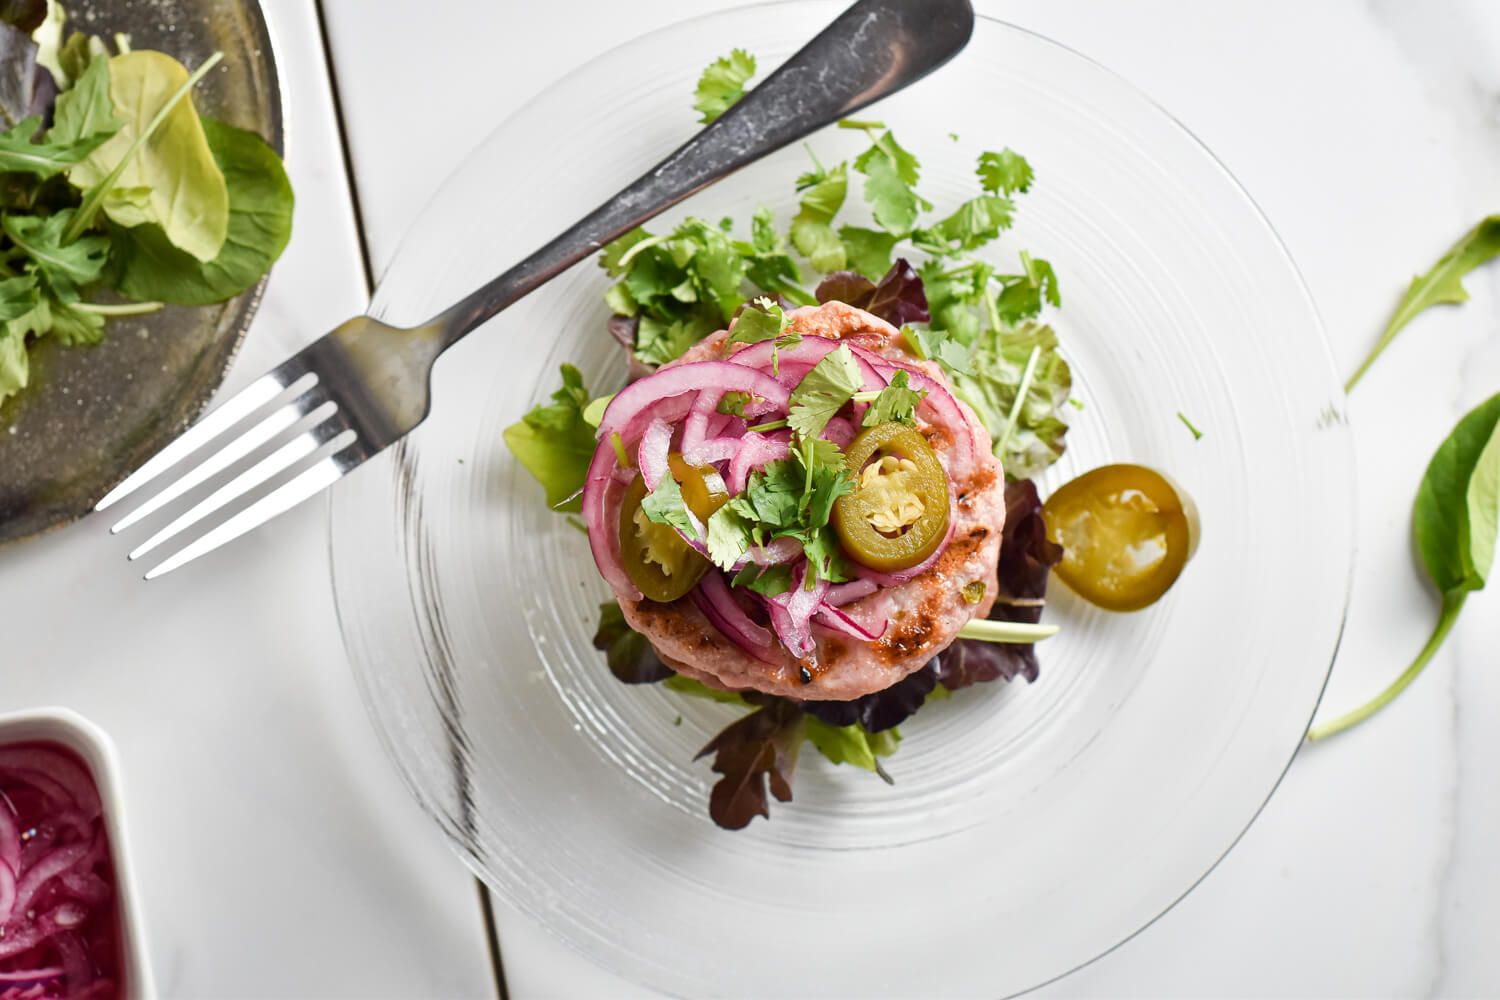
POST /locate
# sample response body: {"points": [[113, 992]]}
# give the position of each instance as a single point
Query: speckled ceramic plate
{"points": [[91, 415]]}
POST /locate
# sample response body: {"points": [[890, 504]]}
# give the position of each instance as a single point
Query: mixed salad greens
{"points": [[983, 325], [116, 196]]}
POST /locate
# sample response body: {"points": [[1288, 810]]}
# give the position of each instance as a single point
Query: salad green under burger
{"points": [[815, 495], [116, 196]]}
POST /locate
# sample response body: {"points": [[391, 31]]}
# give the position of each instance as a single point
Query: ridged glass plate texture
{"points": [[1031, 827]]}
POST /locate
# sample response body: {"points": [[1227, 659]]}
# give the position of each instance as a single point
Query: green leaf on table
{"points": [[722, 84], [188, 197], [147, 266], [555, 443], [1441, 285], [1455, 519]]}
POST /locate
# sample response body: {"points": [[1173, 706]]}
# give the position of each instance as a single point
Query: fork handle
{"points": [[873, 49]]}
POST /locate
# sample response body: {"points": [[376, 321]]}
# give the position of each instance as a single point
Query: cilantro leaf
{"points": [[897, 402], [890, 184], [555, 443], [723, 83], [972, 224], [823, 391], [1023, 294], [812, 234], [1005, 172], [728, 536], [665, 505], [733, 403], [867, 251], [758, 321]]}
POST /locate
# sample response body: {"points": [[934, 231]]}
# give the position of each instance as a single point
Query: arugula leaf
{"points": [[63, 266], [868, 251], [19, 154], [85, 112], [1005, 172], [760, 748], [896, 403], [146, 265], [1455, 519], [823, 391], [665, 505], [997, 364], [185, 193], [555, 443], [722, 84], [812, 235], [1441, 285], [18, 298], [630, 656]]}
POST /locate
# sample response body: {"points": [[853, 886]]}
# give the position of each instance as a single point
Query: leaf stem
{"points": [[121, 309], [634, 251], [1027, 377], [1453, 603], [84, 217], [989, 630]]}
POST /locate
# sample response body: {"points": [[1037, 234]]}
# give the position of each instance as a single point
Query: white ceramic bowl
{"points": [[89, 742]]}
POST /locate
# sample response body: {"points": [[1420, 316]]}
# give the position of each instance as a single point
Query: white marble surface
{"points": [[276, 853], [1370, 135]]}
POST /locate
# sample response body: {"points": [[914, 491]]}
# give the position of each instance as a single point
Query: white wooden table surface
{"points": [[277, 852]]}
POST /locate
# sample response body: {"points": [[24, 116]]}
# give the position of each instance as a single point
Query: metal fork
{"points": [[355, 391]]}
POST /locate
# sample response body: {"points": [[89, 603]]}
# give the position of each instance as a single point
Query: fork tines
{"points": [[275, 443]]}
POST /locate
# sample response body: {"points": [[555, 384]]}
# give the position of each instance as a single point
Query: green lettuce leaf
{"points": [[555, 443], [185, 193], [147, 266], [998, 364]]}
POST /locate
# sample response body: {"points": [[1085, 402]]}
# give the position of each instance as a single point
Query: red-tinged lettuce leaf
{"points": [[845, 286], [882, 710], [898, 298], [629, 655], [756, 751]]}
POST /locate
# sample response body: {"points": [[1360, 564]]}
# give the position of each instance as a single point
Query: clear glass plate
{"points": [[1031, 828]]}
